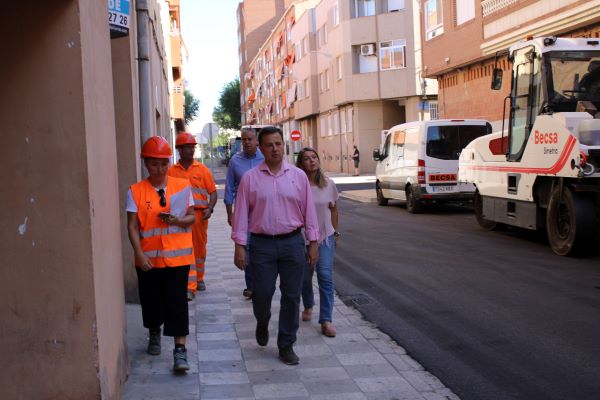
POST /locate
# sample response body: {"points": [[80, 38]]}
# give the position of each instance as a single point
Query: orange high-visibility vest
{"points": [[166, 245], [200, 177]]}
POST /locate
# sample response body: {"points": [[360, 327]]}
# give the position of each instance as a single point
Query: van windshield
{"points": [[446, 142]]}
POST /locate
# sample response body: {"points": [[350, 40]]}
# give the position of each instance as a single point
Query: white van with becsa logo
{"points": [[418, 161]]}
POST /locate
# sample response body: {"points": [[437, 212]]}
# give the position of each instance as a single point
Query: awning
{"points": [[291, 57], [292, 20], [283, 100], [280, 71], [279, 41], [252, 97], [269, 108]]}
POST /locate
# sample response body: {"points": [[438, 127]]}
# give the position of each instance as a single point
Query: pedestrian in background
{"points": [[205, 198], [240, 163], [274, 202], [356, 158], [325, 196], [159, 215]]}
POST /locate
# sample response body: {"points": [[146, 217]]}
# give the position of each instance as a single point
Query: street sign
{"points": [[118, 17], [295, 135]]}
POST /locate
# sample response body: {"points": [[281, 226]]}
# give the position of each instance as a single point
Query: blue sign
{"points": [[118, 17]]}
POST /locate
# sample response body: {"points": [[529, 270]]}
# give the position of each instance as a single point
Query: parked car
{"points": [[417, 162]]}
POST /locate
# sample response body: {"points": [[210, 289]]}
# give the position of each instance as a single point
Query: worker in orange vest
{"points": [[159, 218], [205, 198]]}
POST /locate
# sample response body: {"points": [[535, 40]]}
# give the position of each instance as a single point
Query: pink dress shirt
{"points": [[274, 204]]}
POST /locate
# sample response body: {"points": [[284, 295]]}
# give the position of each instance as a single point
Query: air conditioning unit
{"points": [[367, 49]]}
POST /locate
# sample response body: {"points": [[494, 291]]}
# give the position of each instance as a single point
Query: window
{"points": [[395, 5], [324, 80], [339, 67], [307, 87], [526, 92], [433, 19], [336, 14], [465, 11], [336, 123], [364, 8], [322, 36], [323, 127], [305, 46], [362, 64], [298, 51], [446, 142], [329, 125], [343, 120], [300, 89], [397, 148], [433, 110], [392, 54], [349, 118]]}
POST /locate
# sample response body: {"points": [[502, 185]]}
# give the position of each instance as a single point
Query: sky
{"points": [[209, 30]]}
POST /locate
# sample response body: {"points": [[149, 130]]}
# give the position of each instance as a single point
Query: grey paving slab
{"points": [[361, 363]]}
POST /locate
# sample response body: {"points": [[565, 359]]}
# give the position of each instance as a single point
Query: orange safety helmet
{"points": [[185, 138], [156, 147]]}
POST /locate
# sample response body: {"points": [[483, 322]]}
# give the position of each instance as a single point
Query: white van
{"points": [[418, 161]]}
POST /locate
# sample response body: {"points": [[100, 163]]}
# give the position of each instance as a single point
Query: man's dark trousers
{"points": [[287, 258]]}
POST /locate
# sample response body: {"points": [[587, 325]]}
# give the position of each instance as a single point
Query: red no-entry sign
{"points": [[295, 135]]}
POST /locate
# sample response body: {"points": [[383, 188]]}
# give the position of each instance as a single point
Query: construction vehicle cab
{"points": [[542, 171]]}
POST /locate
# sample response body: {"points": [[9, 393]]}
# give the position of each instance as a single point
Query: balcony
{"points": [[491, 6], [176, 58]]}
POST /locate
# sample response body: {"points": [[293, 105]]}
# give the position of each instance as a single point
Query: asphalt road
{"points": [[494, 315]]}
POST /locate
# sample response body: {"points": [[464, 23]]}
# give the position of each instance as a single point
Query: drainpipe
{"points": [[143, 48]]}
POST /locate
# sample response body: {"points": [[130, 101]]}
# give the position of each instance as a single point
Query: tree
{"points": [[191, 106], [228, 113]]}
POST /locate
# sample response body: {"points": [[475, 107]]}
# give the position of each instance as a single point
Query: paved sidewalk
{"points": [[226, 363]]}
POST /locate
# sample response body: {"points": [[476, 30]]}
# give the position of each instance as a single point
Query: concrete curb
{"points": [[364, 196]]}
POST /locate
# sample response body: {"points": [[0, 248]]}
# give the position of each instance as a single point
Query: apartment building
{"points": [[256, 20], [75, 107], [462, 37], [176, 58], [270, 84], [356, 71]]}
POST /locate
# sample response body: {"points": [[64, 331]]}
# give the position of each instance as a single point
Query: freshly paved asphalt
{"points": [[494, 315]]}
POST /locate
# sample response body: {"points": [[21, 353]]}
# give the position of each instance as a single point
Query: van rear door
{"points": [[443, 146]]}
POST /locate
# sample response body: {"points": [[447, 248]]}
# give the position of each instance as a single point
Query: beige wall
{"points": [[127, 111], [61, 290]]}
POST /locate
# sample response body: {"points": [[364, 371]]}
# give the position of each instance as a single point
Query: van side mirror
{"points": [[497, 79], [376, 155]]}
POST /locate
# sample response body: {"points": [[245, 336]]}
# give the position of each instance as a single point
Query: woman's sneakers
{"points": [[180, 363], [154, 342]]}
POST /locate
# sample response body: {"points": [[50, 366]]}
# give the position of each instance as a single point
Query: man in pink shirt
{"points": [[274, 201]]}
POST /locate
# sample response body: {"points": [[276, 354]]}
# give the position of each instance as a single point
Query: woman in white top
{"points": [[325, 196]]}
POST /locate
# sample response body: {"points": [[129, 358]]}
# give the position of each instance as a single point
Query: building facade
{"points": [[356, 72], [256, 20], [176, 58], [75, 110], [485, 29]]}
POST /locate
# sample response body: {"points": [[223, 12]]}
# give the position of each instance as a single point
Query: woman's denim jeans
{"points": [[324, 270]]}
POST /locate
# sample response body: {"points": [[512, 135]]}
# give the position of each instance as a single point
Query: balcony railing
{"points": [[492, 6]]}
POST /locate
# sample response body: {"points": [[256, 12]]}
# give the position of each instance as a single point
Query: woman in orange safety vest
{"points": [[160, 213]]}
